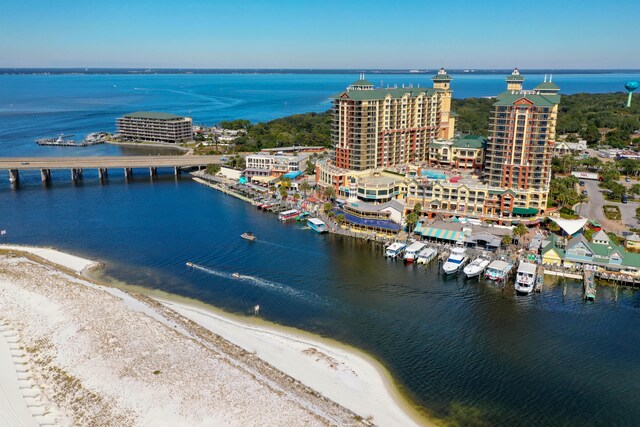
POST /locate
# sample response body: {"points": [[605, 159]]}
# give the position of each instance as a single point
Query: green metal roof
{"points": [[470, 141], [514, 78], [525, 211], [362, 82], [152, 115], [375, 94], [548, 86], [508, 98], [441, 77]]}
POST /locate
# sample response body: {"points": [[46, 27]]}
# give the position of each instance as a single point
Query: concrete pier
{"points": [[103, 173], [176, 171], [45, 175], [153, 172], [14, 176], [76, 174], [128, 173]]}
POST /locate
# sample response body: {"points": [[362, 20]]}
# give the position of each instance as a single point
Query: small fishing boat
{"points": [[411, 252], [426, 255], [394, 250], [476, 267], [189, 264], [456, 259], [498, 271], [317, 225], [236, 275], [525, 278], [248, 236]]}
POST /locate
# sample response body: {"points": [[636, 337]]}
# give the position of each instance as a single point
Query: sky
{"points": [[320, 34]]}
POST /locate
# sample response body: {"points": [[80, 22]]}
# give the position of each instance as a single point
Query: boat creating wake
{"points": [[265, 284]]}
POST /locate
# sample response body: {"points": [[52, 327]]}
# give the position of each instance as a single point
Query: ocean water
{"points": [[461, 350], [35, 106]]}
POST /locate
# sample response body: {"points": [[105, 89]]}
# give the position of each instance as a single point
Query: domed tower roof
{"points": [[442, 76], [361, 84], [515, 76]]}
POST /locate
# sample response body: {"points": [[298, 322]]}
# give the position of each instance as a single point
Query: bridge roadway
{"points": [[101, 163]]}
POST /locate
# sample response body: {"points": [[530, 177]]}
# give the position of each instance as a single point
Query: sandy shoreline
{"points": [[326, 372]]}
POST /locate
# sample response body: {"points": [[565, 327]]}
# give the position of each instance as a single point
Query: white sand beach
{"points": [[98, 355]]}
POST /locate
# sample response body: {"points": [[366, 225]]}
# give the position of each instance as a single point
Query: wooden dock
{"points": [[589, 285]]}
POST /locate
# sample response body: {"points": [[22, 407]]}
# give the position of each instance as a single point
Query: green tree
{"points": [[327, 207], [213, 168], [272, 188], [340, 219], [417, 208], [329, 193], [296, 196], [591, 134], [310, 169], [520, 230], [283, 192], [507, 240], [411, 220], [304, 187]]}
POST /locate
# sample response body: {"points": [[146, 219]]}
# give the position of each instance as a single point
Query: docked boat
{"points": [[288, 215], [248, 236], [476, 267], [426, 255], [317, 225], [525, 278], [395, 249], [456, 260], [498, 271], [412, 251], [304, 215]]}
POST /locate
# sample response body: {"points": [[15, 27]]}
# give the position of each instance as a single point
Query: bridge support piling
{"points": [[153, 172], [14, 176], [176, 171], [103, 173], [75, 174], [45, 175], [128, 173]]}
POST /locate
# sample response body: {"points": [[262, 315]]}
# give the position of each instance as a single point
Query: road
{"points": [[106, 162], [593, 209]]}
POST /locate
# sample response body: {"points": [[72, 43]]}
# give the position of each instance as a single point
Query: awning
{"points": [[265, 179], [293, 175], [438, 233], [525, 211], [570, 226]]}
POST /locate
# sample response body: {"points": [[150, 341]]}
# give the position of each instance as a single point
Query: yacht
{"points": [[498, 271], [456, 259], [525, 278], [426, 255], [287, 215], [476, 267], [395, 249], [411, 253], [248, 236]]}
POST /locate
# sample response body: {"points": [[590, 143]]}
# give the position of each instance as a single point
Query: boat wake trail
{"points": [[266, 284]]}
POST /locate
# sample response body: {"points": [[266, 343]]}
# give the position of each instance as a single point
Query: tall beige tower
{"points": [[442, 82]]}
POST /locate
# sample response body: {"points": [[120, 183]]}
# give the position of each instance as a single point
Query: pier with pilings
{"points": [[77, 165]]}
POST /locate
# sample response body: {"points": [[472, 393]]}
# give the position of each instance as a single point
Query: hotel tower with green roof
{"points": [[381, 127], [522, 131]]}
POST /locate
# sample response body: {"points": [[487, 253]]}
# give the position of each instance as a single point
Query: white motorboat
{"points": [[525, 278], [395, 249], [189, 264], [498, 271], [456, 260], [476, 267], [236, 275], [426, 255], [412, 251]]}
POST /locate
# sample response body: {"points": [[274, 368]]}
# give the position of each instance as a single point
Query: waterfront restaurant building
{"points": [[381, 127], [155, 127]]}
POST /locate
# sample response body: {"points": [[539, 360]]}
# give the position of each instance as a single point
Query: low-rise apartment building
{"points": [[275, 164], [155, 127]]}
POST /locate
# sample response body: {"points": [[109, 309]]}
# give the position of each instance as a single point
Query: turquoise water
{"points": [[466, 351], [433, 174]]}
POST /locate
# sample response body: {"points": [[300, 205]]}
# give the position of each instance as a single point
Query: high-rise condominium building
{"points": [[522, 132], [379, 127]]}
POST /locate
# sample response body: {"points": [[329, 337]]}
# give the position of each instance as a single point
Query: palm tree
{"points": [[340, 219], [329, 193], [411, 221], [304, 187], [327, 207], [507, 240], [520, 231]]}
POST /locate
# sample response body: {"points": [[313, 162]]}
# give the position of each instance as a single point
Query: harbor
{"points": [[91, 139]]}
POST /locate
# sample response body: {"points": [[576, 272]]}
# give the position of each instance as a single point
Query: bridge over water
{"points": [[102, 163]]}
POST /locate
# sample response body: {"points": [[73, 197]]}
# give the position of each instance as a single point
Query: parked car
{"points": [[585, 192], [627, 179], [624, 199], [581, 183]]}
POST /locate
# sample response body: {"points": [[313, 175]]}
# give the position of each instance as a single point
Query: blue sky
{"points": [[319, 34]]}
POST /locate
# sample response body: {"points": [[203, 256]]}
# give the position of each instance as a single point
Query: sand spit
{"points": [[99, 356]]}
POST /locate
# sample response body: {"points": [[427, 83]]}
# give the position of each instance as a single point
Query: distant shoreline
{"points": [[267, 71]]}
